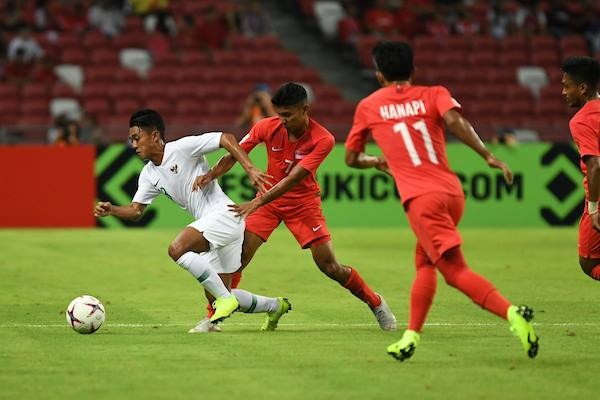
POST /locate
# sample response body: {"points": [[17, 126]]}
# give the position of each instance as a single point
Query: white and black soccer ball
{"points": [[85, 314]]}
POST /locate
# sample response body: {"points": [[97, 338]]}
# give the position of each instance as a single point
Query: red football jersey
{"points": [[585, 129], [407, 124], [309, 151]]}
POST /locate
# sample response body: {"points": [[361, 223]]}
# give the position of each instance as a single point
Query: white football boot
{"points": [[205, 326]]}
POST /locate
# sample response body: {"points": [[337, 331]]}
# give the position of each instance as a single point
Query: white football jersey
{"points": [[182, 162]]}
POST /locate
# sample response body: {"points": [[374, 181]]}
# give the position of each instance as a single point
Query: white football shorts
{"points": [[225, 234]]}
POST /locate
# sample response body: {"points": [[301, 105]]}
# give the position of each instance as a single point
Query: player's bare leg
{"points": [[349, 278], [188, 250], [591, 267]]}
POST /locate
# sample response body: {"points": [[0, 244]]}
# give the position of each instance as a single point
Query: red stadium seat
{"points": [[511, 59], [543, 42], [9, 105], [122, 90], [161, 73], [501, 75], [188, 107], [427, 43], [104, 56], [125, 106], [75, 56], [9, 91], [485, 44], [154, 89], [34, 106], [573, 45], [515, 43], [456, 43], [97, 106], [94, 40], [483, 59], [545, 58], [62, 90], [35, 91], [126, 75], [99, 73], [95, 90], [163, 106]]}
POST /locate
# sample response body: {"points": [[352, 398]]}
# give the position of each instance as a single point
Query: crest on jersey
{"points": [[174, 169]]}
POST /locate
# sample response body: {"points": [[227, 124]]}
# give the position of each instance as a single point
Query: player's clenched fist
{"points": [[102, 209]]}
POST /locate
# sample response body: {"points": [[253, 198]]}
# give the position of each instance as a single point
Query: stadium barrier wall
{"points": [[42, 186], [547, 188]]}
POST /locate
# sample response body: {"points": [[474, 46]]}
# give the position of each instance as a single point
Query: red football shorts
{"points": [[305, 220], [433, 218], [588, 242]]}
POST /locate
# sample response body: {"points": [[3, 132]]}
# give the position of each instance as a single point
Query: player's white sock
{"points": [[254, 303], [203, 272]]}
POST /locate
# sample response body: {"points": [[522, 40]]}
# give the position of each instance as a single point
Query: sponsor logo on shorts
{"points": [[276, 148], [316, 228]]}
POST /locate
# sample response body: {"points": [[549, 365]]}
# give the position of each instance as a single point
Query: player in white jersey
{"points": [[210, 247]]}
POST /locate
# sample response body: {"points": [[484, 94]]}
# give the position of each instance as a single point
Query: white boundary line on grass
{"points": [[432, 324]]}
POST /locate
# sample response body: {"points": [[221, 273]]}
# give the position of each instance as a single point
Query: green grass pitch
{"points": [[327, 347]]}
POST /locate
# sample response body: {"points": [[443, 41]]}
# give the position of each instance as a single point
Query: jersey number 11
{"points": [[420, 127]]}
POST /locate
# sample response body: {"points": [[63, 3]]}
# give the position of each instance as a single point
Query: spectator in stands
{"points": [[91, 131], [73, 18], [18, 70], [106, 16], [156, 15], [43, 71], [500, 21], [407, 19], [380, 20], [69, 134], [12, 21], [530, 19], [592, 31], [436, 25], [31, 50], [256, 107], [64, 132], [467, 24], [214, 30], [252, 19], [349, 28]]}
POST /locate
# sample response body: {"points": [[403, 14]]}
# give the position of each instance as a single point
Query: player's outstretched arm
{"points": [[464, 131], [296, 175], [362, 160], [592, 164], [257, 177], [132, 212]]}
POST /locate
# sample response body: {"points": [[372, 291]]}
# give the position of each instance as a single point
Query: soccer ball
{"points": [[85, 314]]}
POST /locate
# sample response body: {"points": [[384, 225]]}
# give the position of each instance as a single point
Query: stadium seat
{"points": [[123, 90], [512, 59], [502, 75], [97, 106], [9, 91], [9, 105], [62, 90], [543, 43], [328, 14], [482, 59], [161, 73], [154, 89], [95, 40], [545, 58], [136, 59], [35, 90], [125, 106], [99, 73], [485, 44], [189, 107], [125, 75], [71, 75], [534, 78], [34, 106], [74, 56], [427, 43], [65, 106], [573, 45], [104, 56]]}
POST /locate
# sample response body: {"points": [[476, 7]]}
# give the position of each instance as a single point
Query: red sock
{"points": [[359, 288], [210, 311], [421, 296], [235, 280], [457, 274], [595, 273]]}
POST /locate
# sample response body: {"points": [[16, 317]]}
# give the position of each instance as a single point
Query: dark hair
{"points": [[394, 60], [289, 94], [148, 119], [582, 69]]}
